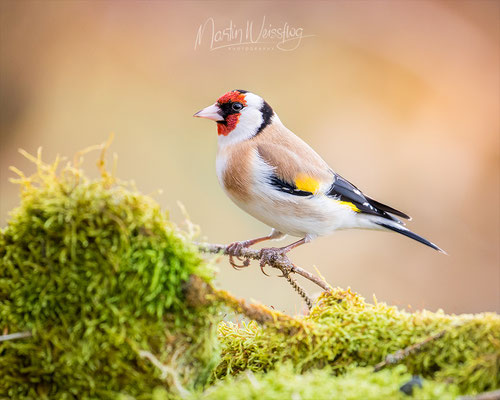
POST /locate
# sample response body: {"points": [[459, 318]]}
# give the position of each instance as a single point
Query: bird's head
{"points": [[239, 115]]}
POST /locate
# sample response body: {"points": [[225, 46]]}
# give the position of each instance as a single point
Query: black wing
{"points": [[343, 190]]}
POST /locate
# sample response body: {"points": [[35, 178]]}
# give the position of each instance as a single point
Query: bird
{"points": [[277, 178]]}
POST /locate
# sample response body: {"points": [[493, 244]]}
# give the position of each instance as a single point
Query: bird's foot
{"points": [[233, 250], [271, 256]]}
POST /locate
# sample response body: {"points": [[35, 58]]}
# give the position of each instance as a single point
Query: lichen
{"points": [[343, 330], [321, 384], [95, 271]]}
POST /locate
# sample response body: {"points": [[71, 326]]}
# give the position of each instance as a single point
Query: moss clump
{"points": [[96, 272], [344, 331], [321, 384]]}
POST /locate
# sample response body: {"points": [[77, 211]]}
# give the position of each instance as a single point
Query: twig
{"points": [[166, 371], [493, 395], [400, 355], [14, 336], [281, 262], [302, 293]]}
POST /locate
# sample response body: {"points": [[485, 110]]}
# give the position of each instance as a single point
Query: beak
{"points": [[211, 112]]}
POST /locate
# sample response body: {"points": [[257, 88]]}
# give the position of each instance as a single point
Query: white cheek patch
{"points": [[248, 123]]}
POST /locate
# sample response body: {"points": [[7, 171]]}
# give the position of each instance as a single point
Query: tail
{"points": [[404, 231]]}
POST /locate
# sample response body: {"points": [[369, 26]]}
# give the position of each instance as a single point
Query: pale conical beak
{"points": [[211, 112]]}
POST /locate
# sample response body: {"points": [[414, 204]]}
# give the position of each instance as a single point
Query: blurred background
{"points": [[400, 97]]}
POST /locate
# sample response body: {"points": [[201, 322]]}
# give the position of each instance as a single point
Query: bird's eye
{"points": [[237, 106]]}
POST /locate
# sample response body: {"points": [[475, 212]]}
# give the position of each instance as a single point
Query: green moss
{"points": [[356, 384], [96, 272], [343, 331]]}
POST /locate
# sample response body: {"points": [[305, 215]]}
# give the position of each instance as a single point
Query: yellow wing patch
{"points": [[309, 184], [306, 183], [348, 204]]}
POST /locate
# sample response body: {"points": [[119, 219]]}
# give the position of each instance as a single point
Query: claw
{"points": [[268, 256], [236, 265], [262, 265], [285, 272], [236, 248]]}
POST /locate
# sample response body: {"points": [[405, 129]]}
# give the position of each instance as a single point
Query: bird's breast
{"points": [[234, 171]]}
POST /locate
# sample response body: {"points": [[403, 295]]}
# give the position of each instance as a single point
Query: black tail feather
{"points": [[410, 234], [387, 208]]}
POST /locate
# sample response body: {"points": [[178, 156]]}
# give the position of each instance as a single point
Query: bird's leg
{"points": [[234, 248], [271, 254]]}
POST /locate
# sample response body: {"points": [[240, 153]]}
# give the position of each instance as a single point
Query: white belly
{"points": [[311, 216]]}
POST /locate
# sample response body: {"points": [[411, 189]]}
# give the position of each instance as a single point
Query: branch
{"points": [[281, 262]]}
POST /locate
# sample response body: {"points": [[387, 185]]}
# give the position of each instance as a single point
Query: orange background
{"points": [[400, 97]]}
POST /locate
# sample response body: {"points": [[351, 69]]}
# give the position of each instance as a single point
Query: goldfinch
{"points": [[276, 177]]}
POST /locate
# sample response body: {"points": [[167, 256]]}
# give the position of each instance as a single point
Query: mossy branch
{"points": [[120, 303], [199, 293]]}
